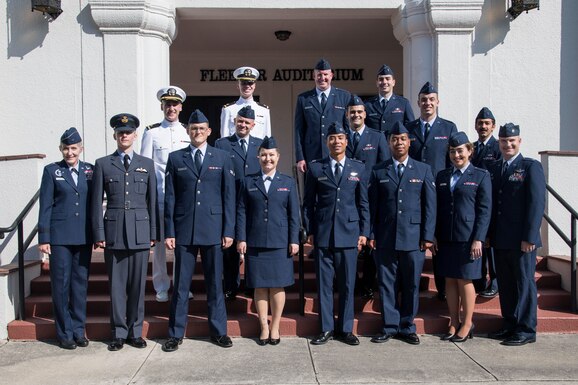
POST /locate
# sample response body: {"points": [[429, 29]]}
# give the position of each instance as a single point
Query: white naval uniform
{"points": [[262, 118], [157, 142]]}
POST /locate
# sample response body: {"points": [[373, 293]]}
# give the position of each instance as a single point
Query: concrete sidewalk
{"points": [[552, 359]]}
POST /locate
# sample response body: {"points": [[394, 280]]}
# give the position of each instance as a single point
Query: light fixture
{"points": [[50, 7], [519, 6], [282, 35]]}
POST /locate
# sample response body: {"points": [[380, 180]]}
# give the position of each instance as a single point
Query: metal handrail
{"points": [[302, 241], [22, 246], [571, 242]]}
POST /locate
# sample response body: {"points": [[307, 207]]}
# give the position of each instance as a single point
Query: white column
{"points": [[137, 35], [436, 37]]}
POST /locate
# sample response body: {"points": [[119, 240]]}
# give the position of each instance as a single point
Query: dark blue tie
{"points": [[323, 101], [198, 161]]}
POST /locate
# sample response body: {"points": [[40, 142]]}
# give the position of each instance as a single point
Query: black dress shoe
{"points": [[441, 296], [381, 338], [274, 341], [172, 344], [230, 295], [222, 341], [68, 345], [517, 340], [322, 338], [447, 337], [410, 338], [81, 342], [262, 341], [457, 338], [348, 338], [116, 344], [138, 342], [489, 293], [501, 334]]}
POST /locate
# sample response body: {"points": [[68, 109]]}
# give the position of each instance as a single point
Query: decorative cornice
{"points": [[143, 17]]}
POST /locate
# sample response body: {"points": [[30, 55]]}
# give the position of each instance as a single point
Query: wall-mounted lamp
{"points": [[50, 7], [519, 6], [282, 35]]}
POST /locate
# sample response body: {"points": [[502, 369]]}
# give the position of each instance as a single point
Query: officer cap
{"points": [[322, 65], [485, 113], [458, 138], [385, 70], [171, 93], [336, 128], [508, 130], [70, 136], [247, 112], [246, 73], [124, 122], [428, 88], [398, 129], [355, 101], [197, 116], [268, 143]]}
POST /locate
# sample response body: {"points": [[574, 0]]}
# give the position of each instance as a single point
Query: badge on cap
{"points": [[124, 119], [246, 73]]}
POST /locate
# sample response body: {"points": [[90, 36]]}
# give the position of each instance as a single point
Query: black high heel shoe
{"points": [[449, 336], [263, 341], [274, 341], [470, 335]]}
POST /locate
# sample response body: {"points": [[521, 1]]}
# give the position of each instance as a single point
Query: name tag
{"points": [[253, 189], [307, 107], [440, 138], [283, 189], [59, 178], [322, 178], [470, 184], [383, 180], [415, 181], [339, 107], [443, 184], [181, 169]]}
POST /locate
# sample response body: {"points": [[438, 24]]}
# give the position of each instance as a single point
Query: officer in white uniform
{"points": [[158, 141], [247, 78]]}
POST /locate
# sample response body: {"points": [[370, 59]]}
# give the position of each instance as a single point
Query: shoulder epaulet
{"points": [[356, 161], [152, 126], [263, 105], [529, 160], [369, 129], [228, 104], [183, 124]]}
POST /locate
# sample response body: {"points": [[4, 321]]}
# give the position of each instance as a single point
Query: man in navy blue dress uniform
{"points": [[243, 149], [336, 215], [370, 147], [64, 234], [128, 229], [519, 198], [429, 137], [199, 218], [387, 108], [314, 112], [486, 151], [402, 200]]}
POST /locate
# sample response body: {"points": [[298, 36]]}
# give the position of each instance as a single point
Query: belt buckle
{"points": [[127, 205]]}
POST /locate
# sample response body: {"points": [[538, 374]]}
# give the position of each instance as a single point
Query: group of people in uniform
{"points": [[379, 184]]}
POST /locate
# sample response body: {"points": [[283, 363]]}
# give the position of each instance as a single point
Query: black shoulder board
{"points": [[263, 105], [152, 126], [228, 104], [183, 124]]}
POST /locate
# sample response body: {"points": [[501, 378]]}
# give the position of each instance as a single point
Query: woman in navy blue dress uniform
{"points": [[267, 233], [64, 233], [464, 200]]}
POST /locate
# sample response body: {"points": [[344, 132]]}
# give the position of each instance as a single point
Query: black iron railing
{"points": [[571, 242], [22, 246]]}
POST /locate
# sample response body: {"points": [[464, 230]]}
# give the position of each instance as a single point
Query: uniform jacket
{"points": [[403, 212], [268, 219], [464, 215], [333, 211], [130, 220], [243, 164], [490, 153], [64, 214], [371, 149], [199, 207], [434, 149], [262, 118], [519, 199], [311, 123], [398, 109]]}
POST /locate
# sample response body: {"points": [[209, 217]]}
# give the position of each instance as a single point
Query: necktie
{"points": [[383, 102], [504, 168], [126, 162], [356, 138], [323, 101], [74, 173], [426, 130], [244, 145], [198, 161], [268, 183], [455, 177], [337, 172], [400, 170]]}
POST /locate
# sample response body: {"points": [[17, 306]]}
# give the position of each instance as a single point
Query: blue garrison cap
{"points": [[428, 88], [70, 136], [355, 101], [197, 116], [385, 70], [124, 122], [485, 113], [247, 112], [336, 128], [398, 129], [508, 130], [322, 65], [458, 139], [268, 143]]}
